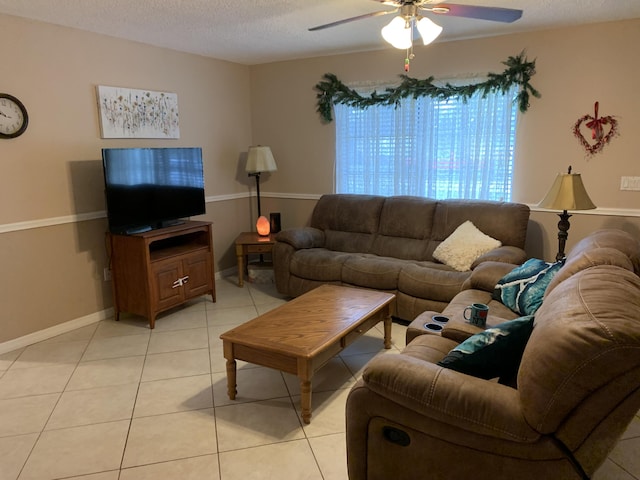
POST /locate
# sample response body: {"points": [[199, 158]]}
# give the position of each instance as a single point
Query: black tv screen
{"points": [[149, 188]]}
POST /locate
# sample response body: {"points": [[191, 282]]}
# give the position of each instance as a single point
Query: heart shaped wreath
{"points": [[598, 126]]}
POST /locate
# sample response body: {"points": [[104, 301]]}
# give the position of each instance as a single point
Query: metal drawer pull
{"points": [[180, 282]]}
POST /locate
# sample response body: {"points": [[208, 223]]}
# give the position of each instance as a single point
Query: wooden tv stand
{"points": [[156, 270]]}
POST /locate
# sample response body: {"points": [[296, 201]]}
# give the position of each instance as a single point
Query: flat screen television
{"points": [[148, 188]]}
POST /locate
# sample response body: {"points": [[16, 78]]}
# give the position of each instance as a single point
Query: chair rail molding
{"points": [[83, 217]]}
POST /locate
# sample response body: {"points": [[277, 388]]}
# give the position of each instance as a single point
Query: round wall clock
{"points": [[13, 116]]}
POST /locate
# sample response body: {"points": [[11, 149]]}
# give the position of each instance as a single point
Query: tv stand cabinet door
{"points": [[198, 267], [166, 285]]}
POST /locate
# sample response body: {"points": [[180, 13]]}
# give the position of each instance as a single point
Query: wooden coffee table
{"points": [[302, 335]]}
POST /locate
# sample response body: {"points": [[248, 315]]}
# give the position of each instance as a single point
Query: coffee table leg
{"points": [[231, 379], [387, 331], [305, 400]]}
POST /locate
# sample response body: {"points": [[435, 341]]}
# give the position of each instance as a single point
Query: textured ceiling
{"points": [[261, 31]]}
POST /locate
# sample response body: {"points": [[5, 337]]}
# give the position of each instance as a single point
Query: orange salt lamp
{"points": [[263, 226]]}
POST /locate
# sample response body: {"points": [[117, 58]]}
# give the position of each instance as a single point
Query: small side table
{"points": [[250, 242]]}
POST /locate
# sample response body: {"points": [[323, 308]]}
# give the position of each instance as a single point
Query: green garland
{"points": [[332, 91]]}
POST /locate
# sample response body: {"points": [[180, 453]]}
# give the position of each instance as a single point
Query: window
{"points": [[429, 147]]}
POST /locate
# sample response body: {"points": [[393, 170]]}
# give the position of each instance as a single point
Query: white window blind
{"points": [[429, 147]]}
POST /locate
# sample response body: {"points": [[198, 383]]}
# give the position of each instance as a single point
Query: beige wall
{"points": [[53, 274], [575, 68]]}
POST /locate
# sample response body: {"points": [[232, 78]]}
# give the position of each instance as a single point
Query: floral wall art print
{"points": [[129, 113]]}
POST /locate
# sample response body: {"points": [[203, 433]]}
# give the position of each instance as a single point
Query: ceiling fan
{"points": [[399, 32], [412, 8]]}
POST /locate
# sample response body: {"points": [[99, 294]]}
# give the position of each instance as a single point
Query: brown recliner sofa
{"points": [[578, 385], [387, 243]]}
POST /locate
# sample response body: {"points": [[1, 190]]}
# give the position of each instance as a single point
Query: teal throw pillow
{"points": [[522, 289], [493, 353]]}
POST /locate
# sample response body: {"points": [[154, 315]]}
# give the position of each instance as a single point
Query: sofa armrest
{"points": [[471, 404], [486, 275], [505, 254], [303, 237], [460, 331]]}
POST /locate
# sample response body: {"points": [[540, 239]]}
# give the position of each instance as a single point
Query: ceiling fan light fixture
{"points": [[429, 30], [398, 33]]}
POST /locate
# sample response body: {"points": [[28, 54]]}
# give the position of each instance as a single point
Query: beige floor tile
{"points": [[370, 342], [633, 430], [626, 454], [398, 334], [196, 468], [176, 364], [82, 333], [170, 437], [177, 340], [193, 316], [327, 413], [77, 451], [115, 347], [266, 293], [331, 455], [23, 415], [94, 405], [224, 319], [257, 423], [356, 363], [289, 460], [611, 471], [103, 373], [112, 475], [13, 453], [51, 354], [230, 296], [267, 307], [219, 363], [7, 359], [332, 376], [35, 381], [252, 384], [128, 325], [174, 395]]}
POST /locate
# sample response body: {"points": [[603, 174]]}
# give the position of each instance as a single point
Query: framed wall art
{"points": [[129, 113]]}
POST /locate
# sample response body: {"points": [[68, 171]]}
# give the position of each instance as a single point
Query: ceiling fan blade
{"points": [[496, 14], [353, 19], [393, 3]]}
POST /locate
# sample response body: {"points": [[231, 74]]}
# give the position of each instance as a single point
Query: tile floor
{"points": [[115, 400]]}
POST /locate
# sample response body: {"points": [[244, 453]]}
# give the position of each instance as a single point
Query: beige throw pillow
{"points": [[464, 246]]}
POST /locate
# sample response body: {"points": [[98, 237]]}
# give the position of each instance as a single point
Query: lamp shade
{"points": [[398, 33], [260, 159], [567, 193], [429, 31]]}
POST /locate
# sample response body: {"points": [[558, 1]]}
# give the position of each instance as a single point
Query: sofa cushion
{"points": [[523, 288], [492, 353], [371, 271], [348, 213], [430, 280], [464, 246], [318, 264], [405, 228], [503, 221]]}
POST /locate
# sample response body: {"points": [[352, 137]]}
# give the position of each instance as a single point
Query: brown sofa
{"points": [[578, 383], [387, 243]]}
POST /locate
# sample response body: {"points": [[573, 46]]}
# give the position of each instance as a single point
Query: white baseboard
{"points": [[54, 331]]}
